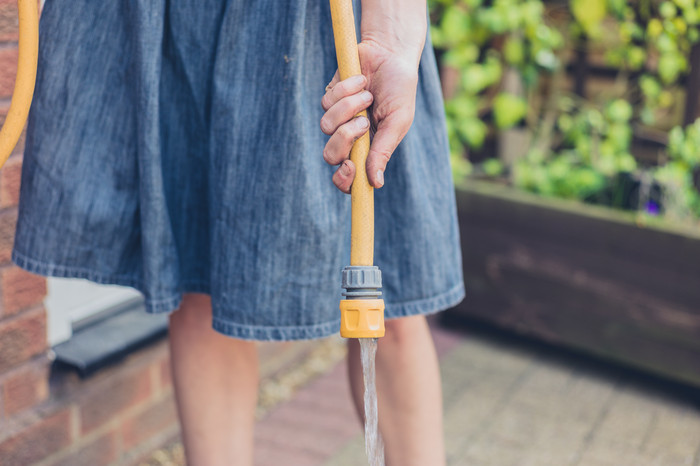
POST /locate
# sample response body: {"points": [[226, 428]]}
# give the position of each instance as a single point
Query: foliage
{"points": [[468, 31], [578, 148], [679, 174]]}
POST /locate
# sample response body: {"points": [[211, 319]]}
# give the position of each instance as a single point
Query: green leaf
{"points": [[590, 14], [626, 163], [455, 23], [514, 51], [620, 135], [670, 67], [636, 56], [508, 110], [492, 167], [654, 28], [474, 131], [667, 10], [650, 86], [619, 110]]}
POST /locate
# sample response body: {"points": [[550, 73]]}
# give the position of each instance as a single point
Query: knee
{"points": [[404, 331]]}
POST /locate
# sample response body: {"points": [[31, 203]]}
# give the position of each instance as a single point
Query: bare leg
{"points": [[410, 396], [216, 387]]}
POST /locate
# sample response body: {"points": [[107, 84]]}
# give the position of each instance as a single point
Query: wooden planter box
{"points": [[582, 276]]}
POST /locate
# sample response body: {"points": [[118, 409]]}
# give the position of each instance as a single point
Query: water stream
{"points": [[374, 446]]}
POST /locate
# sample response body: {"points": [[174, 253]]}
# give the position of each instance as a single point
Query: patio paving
{"points": [[512, 402], [508, 401]]}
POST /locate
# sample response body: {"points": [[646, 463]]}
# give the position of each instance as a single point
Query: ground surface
{"points": [[507, 402]]}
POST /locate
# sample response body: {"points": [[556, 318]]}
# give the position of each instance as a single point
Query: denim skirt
{"points": [[174, 146]]}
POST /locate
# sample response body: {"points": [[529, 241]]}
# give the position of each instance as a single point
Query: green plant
{"points": [[679, 172], [579, 148], [481, 40]]}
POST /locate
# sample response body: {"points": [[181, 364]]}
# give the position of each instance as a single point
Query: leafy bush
{"points": [[577, 147], [680, 172]]}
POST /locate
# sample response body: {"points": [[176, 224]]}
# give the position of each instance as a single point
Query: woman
{"points": [[173, 147]]}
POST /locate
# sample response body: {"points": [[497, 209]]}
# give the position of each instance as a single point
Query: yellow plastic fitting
{"points": [[362, 318], [25, 80]]}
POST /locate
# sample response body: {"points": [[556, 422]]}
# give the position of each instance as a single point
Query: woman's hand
{"points": [[390, 82], [390, 51]]}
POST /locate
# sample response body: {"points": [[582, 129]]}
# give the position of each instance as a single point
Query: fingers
{"points": [[337, 89], [340, 143], [389, 133], [344, 110], [344, 175]]}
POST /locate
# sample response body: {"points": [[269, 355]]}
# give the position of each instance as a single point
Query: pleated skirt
{"points": [[174, 146]]}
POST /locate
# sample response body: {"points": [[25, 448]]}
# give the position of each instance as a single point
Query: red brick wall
{"points": [[119, 414]]}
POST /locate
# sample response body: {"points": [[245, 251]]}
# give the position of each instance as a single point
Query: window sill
{"points": [[110, 340]]}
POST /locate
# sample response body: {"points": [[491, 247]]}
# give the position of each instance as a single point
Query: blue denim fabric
{"points": [[174, 146]]}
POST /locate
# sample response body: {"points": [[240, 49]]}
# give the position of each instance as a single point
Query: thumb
{"points": [[389, 133]]}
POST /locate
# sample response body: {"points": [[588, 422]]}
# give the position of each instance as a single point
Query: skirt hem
{"points": [[427, 306]]}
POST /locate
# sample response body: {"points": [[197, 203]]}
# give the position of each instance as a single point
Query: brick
{"points": [[274, 456], [155, 419], [297, 412], [9, 24], [111, 399], [8, 222], [10, 177], [43, 438], [20, 289], [22, 338], [8, 69], [296, 438], [102, 450], [26, 388]]}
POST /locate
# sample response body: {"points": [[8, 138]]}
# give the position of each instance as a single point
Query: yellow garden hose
{"points": [[362, 314], [26, 77]]}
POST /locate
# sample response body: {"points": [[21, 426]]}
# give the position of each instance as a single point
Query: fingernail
{"points": [[357, 80], [345, 169], [362, 122], [380, 177], [366, 96]]}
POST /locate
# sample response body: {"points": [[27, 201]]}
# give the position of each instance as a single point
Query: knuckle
{"points": [[347, 107], [341, 88], [383, 155], [345, 133]]}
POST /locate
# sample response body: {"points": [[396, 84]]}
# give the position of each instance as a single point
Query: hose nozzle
{"points": [[362, 313]]}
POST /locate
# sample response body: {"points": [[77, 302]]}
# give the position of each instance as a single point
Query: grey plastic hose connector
{"points": [[362, 282]]}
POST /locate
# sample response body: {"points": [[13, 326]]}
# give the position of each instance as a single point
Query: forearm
{"points": [[396, 25]]}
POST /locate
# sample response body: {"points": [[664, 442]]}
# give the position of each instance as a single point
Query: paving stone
{"points": [[675, 433], [352, 454], [628, 420], [507, 405]]}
